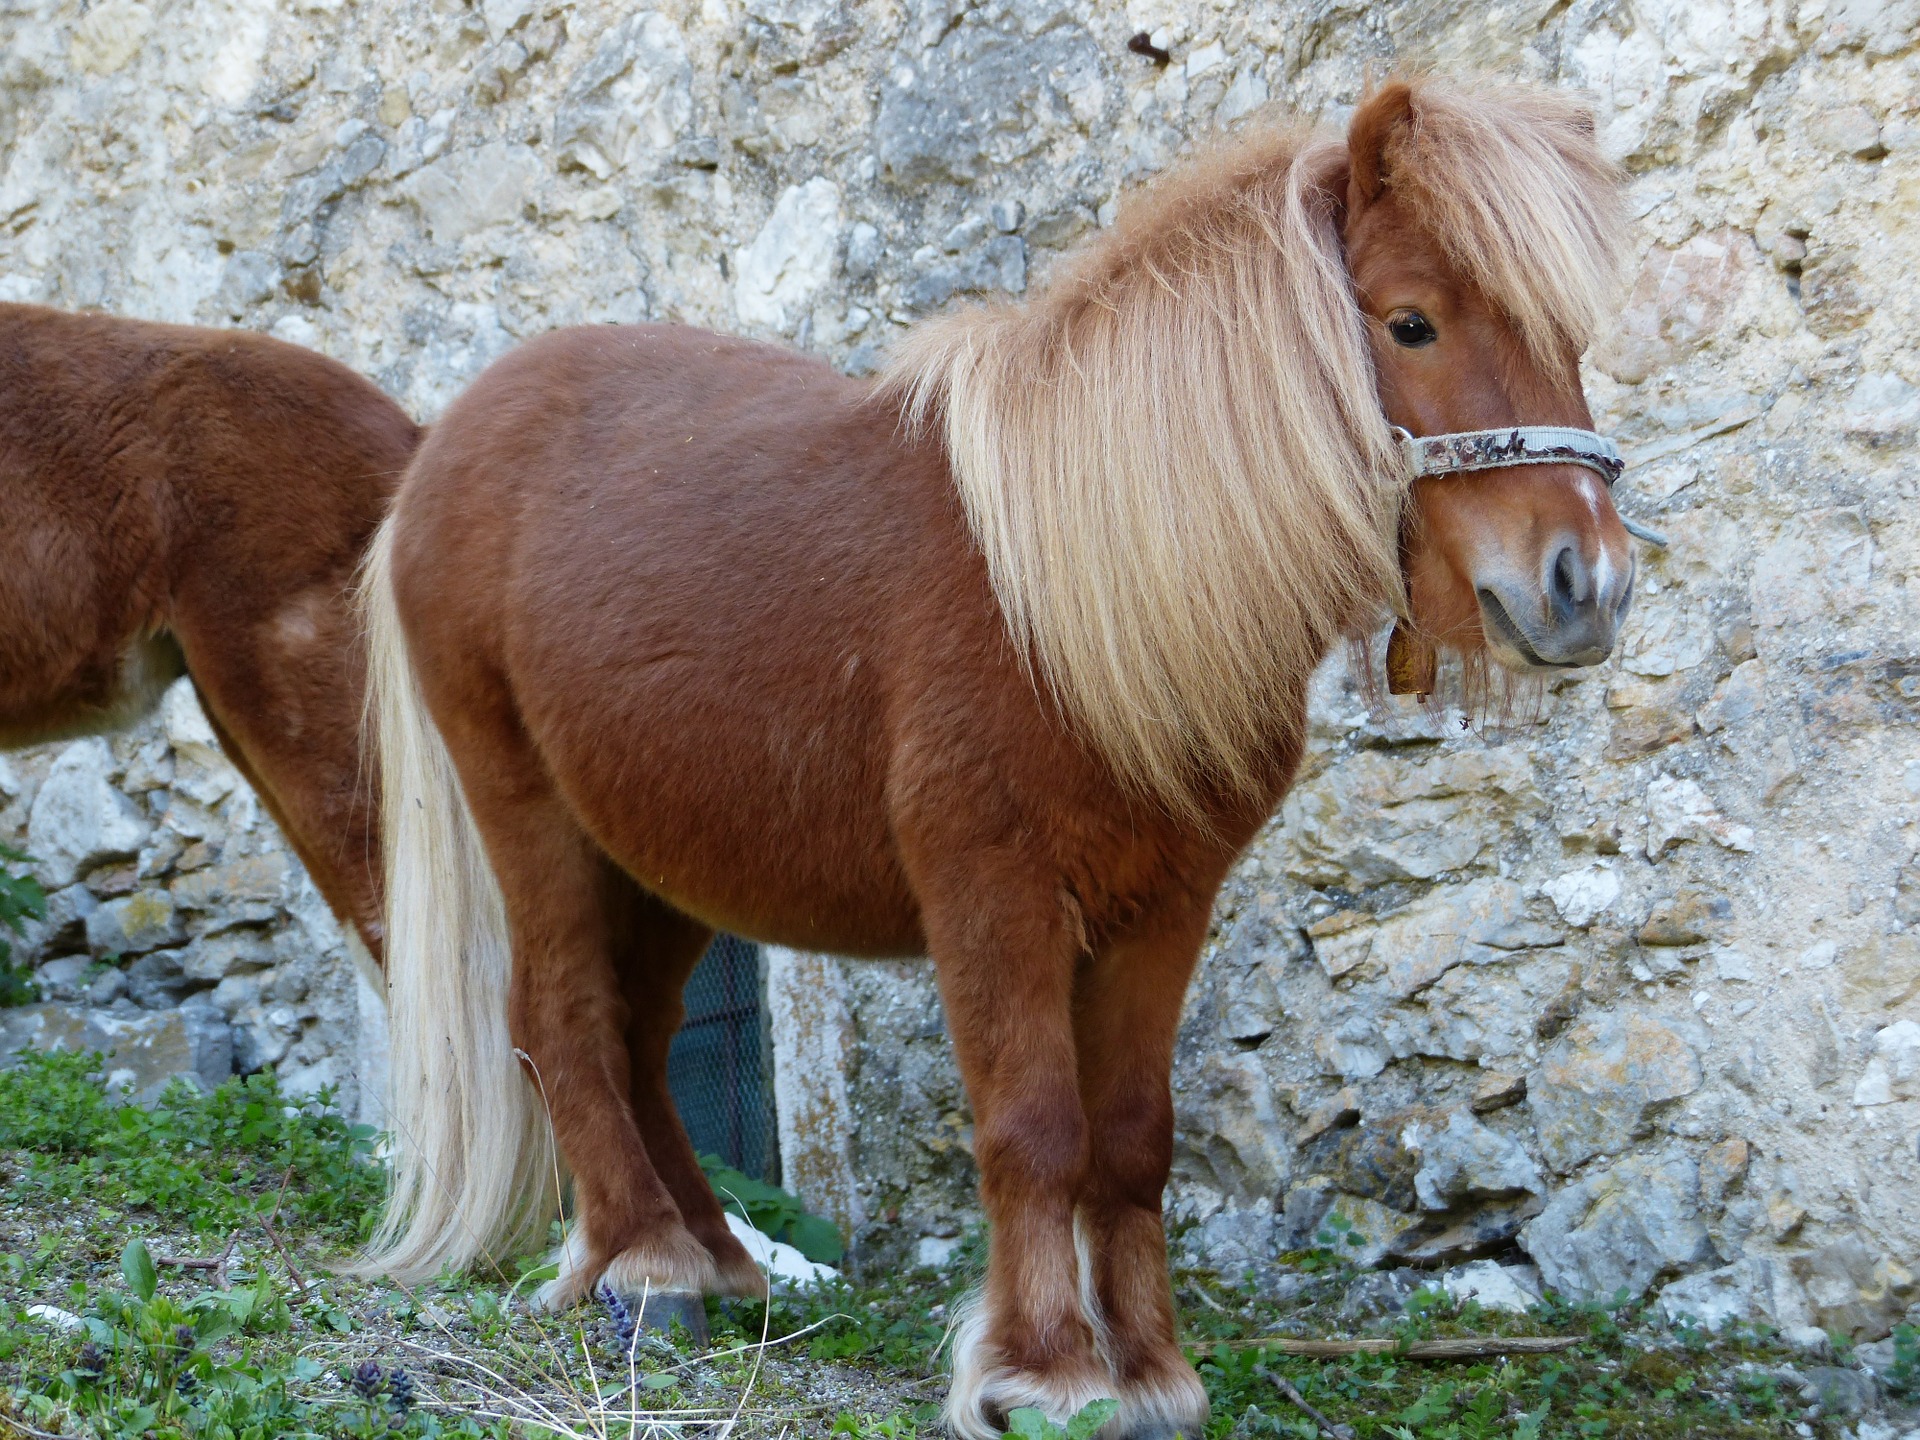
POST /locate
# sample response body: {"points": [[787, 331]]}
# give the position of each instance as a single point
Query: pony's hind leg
{"points": [[658, 950], [1126, 1010], [568, 1017], [1006, 952]]}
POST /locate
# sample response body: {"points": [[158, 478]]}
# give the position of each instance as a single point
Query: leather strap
{"points": [[1516, 445]]}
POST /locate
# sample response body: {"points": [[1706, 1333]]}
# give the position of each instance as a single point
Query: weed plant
{"points": [[21, 899]]}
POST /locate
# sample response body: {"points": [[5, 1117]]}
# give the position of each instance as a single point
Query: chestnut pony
{"points": [[1003, 659], [185, 501]]}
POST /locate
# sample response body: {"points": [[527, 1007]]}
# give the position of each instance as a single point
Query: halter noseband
{"points": [[1515, 445]]}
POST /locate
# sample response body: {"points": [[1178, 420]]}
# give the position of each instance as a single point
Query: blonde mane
{"points": [[1174, 460]]}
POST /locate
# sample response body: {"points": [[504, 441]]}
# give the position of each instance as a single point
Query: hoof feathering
{"points": [[986, 1389], [670, 1264]]}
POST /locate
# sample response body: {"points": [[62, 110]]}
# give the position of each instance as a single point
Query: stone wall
{"points": [[1628, 982], [181, 933]]}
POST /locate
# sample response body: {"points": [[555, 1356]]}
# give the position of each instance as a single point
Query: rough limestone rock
{"points": [[1853, 1290], [1594, 1088], [1512, 1288], [78, 819], [1467, 1161], [144, 1052], [1621, 1229]]}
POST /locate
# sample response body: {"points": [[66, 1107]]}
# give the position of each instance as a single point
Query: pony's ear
{"points": [[1379, 117]]}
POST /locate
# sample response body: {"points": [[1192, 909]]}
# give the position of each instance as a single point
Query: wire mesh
{"points": [[717, 1068]]}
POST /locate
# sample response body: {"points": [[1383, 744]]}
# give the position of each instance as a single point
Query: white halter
{"points": [[1515, 445]]}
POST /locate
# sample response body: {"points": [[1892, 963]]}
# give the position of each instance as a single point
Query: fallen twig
{"points": [[1466, 1347], [285, 1258], [218, 1265], [1285, 1387]]}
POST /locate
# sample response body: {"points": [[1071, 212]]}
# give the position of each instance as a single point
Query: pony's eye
{"points": [[1410, 328]]}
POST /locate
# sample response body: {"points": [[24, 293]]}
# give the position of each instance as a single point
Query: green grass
{"points": [[94, 1196], [213, 1162]]}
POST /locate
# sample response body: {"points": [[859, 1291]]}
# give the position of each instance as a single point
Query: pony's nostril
{"points": [[1568, 585]]}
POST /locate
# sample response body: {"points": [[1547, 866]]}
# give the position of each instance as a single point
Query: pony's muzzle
{"points": [[1565, 618]]}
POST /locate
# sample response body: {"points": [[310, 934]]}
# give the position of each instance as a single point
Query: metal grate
{"points": [[717, 1068]]}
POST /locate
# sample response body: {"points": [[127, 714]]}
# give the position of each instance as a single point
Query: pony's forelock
{"points": [[1512, 184], [1174, 460]]}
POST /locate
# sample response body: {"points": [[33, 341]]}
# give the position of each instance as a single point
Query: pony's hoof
{"points": [[1174, 1405], [661, 1312]]}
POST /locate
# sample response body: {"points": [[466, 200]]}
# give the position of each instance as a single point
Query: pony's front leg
{"points": [[1006, 956], [1126, 1010]]}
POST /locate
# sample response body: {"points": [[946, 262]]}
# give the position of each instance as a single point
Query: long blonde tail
{"points": [[473, 1171]]}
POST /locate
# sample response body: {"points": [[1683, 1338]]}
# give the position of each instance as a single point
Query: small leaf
{"points": [[1031, 1424], [1091, 1417], [137, 1265], [659, 1382]]}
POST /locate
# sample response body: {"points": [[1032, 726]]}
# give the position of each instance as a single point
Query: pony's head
{"points": [[1482, 235], [1178, 460]]}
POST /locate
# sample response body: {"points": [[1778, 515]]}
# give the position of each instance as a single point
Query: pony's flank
{"points": [[1175, 462], [473, 1170]]}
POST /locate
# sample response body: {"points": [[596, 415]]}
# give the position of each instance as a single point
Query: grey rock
{"points": [[1742, 1291], [79, 820], [63, 928], [863, 251], [1596, 1086], [248, 890], [470, 190], [1000, 264], [134, 924], [1853, 1290], [109, 986], [1061, 226], [212, 958], [1514, 1289], [1235, 1242], [1382, 817], [1621, 1229], [157, 980], [1839, 1390], [1487, 1228], [143, 1054], [65, 978], [1379, 1292], [1465, 1161], [987, 96], [251, 277], [631, 101]]}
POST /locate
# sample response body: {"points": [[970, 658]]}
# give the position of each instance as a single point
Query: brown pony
{"points": [[1004, 659], [182, 501]]}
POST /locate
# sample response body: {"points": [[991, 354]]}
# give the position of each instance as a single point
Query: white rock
{"points": [[56, 1317], [1679, 810], [1893, 1071], [935, 1252], [470, 190], [1512, 1288], [79, 819], [1582, 896], [779, 1259], [791, 260]]}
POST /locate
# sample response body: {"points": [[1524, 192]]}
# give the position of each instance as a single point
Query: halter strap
{"points": [[1515, 445]]}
